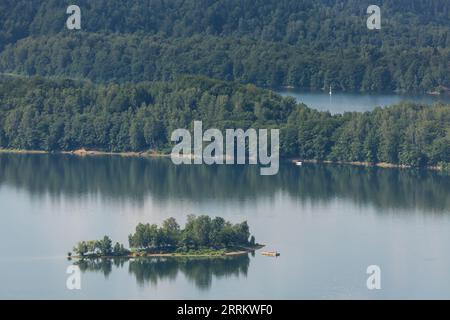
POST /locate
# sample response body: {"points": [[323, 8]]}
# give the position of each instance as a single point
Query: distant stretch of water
{"points": [[329, 222], [341, 102]]}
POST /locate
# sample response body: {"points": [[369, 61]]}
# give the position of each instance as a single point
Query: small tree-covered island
{"points": [[202, 236]]}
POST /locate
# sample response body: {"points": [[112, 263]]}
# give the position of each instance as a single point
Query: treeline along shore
{"points": [[64, 115], [202, 236]]}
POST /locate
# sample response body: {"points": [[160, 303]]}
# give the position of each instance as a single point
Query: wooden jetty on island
{"points": [[270, 253]]}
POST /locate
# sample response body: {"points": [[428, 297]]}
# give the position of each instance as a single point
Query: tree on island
{"points": [[81, 248], [101, 247], [105, 246], [171, 234], [119, 249]]}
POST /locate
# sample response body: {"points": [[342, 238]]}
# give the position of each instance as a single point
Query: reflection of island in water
{"points": [[123, 178], [200, 271]]}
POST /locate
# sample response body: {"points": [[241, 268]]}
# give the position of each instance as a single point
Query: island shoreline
{"points": [[384, 165], [160, 154], [135, 255]]}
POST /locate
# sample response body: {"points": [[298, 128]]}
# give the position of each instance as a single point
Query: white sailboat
{"points": [[330, 91]]}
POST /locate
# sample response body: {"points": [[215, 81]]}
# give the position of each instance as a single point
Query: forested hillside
{"points": [[65, 115], [141, 69], [309, 43], [134, 58], [314, 23]]}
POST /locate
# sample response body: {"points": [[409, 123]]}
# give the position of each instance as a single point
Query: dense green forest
{"points": [[322, 23], [309, 43], [134, 58], [199, 232], [54, 115], [66, 115], [139, 71]]}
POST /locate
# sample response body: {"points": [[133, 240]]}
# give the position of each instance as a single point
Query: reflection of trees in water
{"points": [[199, 271], [122, 178], [100, 265]]}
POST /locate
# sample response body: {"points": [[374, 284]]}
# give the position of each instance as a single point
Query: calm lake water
{"points": [[341, 102], [329, 222]]}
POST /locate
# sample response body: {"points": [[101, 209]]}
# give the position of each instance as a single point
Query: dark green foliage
{"points": [[322, 23], [199, 232], [105, 246], [405, 134], [68, 115], [133, 58], [310, 43], [119, 250], [101, 247]]}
